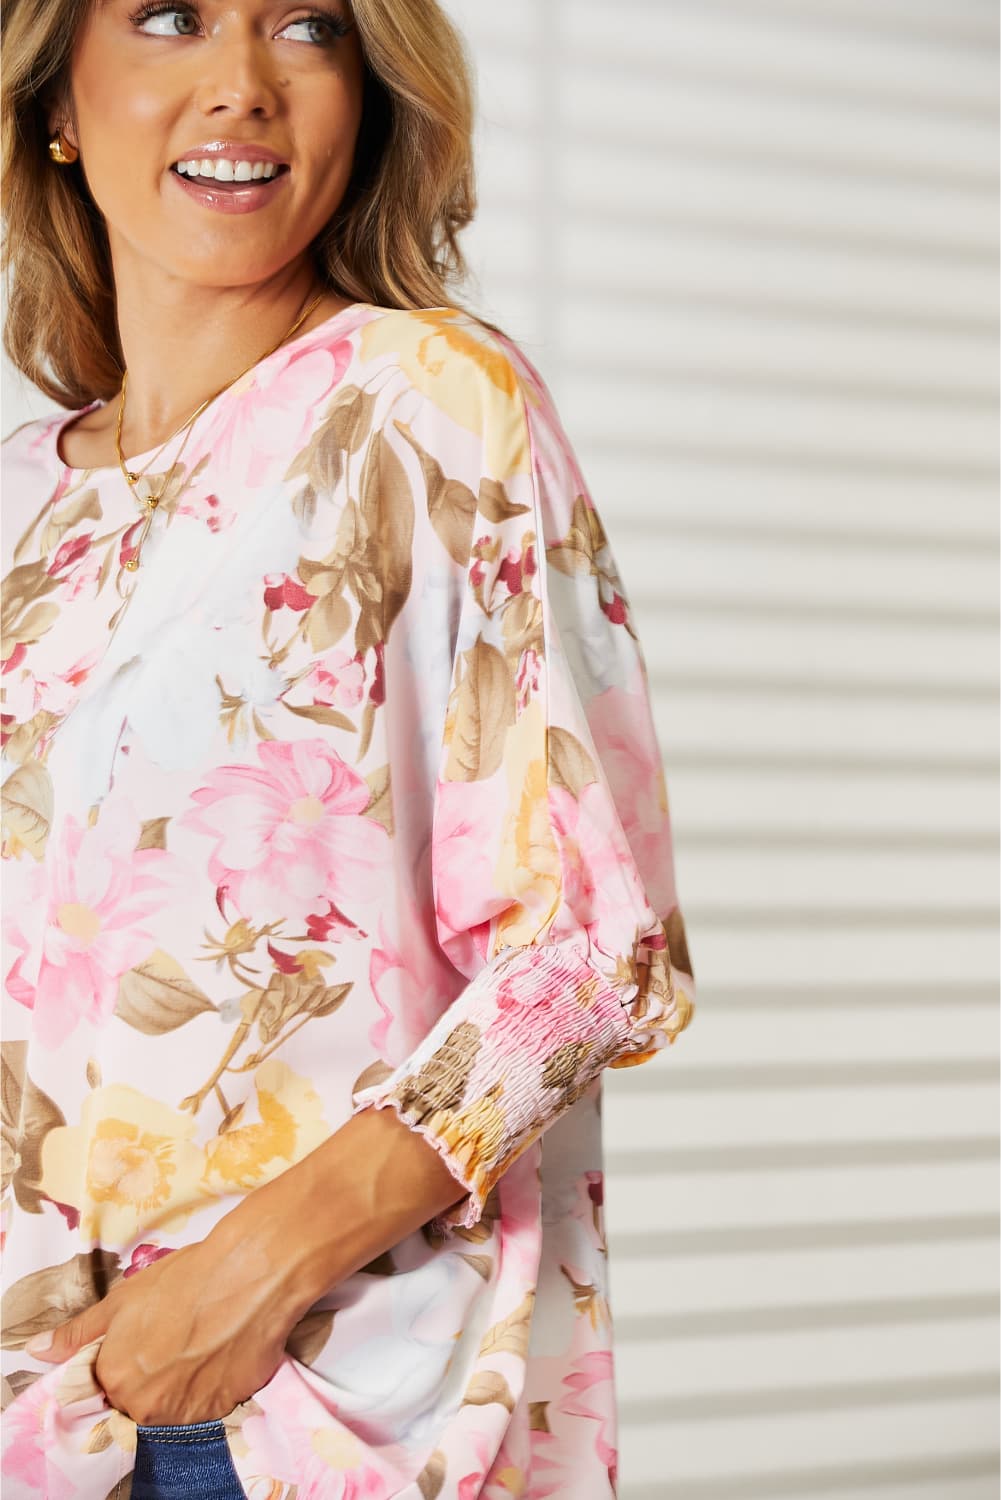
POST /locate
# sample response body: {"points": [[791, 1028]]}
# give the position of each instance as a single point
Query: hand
{"points": [[196, 1332], [187, 1338]]}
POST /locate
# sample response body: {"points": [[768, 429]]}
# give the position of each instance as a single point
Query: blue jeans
{"points": [[190, 1462]]}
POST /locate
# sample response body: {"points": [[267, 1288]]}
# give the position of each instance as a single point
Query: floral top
{"points": [[347, 796]]}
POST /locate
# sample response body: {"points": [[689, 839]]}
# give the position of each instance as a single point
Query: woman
{"points": [[338, 860]]}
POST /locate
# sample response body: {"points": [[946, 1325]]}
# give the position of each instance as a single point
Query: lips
{"points": [[240, 173], [230, 197]]}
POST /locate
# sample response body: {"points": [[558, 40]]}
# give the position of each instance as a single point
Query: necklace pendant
{"points": [[132, 564], [133, 478], [153, 501]]}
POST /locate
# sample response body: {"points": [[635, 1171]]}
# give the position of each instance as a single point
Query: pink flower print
{"points": [[467, 833], [208, 509], [283, 592], [410, 988], [591, 1394], [26, 695], [289, 832], [331, 926], [15, 658], [615, 608], [85, 574], [626, 742], [601, 889], [297, 1441], [337, 678], [251, 439], [145, 1255], [27, 1441], [528, 676], [470, 1485], [102, 892], [517, 565], [69, 552]]}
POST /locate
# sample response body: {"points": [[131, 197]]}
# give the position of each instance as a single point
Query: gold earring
{"points": [[61, 150]]}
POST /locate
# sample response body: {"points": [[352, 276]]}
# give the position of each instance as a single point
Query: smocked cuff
{"points": [[521, 1043]]}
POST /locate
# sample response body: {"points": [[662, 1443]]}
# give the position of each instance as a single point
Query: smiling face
{"points": [[242, 82]]}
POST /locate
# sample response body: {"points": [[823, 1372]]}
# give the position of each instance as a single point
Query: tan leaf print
{"points": [[327, 620], [482, 1264], [28, 1114], [380, 808], [290, 996], [511, 1334], [310, 1334], [451, 504], [442, 1080], [570, 764], [431, 1479], [484, 707], [538, 1418], [588, 1300], [487, 1387], [153, 834], [342, 431], [495, 504], [13, 1384], [83, 506], [99, 1437], [388, 508], [322, 713], [23, 738], [373, 1075], [157, 996], [27, 809], [677, 942], [46, 1298], [521, 622]]}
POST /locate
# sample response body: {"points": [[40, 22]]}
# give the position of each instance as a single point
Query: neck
{"points": [[183, 342]]}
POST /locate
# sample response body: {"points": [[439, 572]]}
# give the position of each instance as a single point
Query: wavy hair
{"points": [[392, 241]]}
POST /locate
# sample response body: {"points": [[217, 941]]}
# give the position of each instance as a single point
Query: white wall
{"points": [[753, 247]]}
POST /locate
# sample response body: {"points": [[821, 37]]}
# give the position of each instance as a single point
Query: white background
{"points": [[753, 248]]}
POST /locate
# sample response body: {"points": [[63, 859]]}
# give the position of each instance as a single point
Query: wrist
{"points": [[356, 1195]]}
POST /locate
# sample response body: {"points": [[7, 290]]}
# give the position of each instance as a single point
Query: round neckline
{"points": [[135, 460]]}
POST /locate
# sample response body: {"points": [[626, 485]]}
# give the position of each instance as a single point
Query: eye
{"points": [[323, 28], [173, 20]]}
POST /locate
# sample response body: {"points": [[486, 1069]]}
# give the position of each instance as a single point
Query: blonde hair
{"points": [[392, 241]]}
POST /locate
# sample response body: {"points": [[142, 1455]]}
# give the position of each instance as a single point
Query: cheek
{"points": [[124, 131]]}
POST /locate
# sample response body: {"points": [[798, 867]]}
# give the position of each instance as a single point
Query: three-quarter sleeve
{"points": [[551, 855]]}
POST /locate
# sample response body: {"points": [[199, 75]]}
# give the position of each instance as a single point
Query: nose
{"points": [[239, 79]]}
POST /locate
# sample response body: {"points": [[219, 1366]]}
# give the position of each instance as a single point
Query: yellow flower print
{"points": [[529, 865], [338, 1448], [474, 1135], [291, 1125], [129, 1166], [424, 343]]}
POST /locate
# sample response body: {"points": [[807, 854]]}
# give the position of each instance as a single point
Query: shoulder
{"points": [[35, 439], [30, 466], [459, 375]]}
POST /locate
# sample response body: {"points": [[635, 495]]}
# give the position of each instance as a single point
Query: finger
{"points": [[62, 1342]]}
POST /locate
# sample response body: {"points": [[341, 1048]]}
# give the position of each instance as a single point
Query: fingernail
{"points": [[40, 1343]]}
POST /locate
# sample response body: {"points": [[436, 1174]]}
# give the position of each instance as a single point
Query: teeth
{"points": [[224, 170]]}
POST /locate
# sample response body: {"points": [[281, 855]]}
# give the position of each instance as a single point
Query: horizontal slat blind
{"points": [[753, 248]]}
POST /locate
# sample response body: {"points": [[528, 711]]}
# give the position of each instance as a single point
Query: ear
{"points": [[59, 116]]}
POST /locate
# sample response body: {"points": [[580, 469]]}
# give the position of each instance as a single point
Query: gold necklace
{"points": [[151, 501]]}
